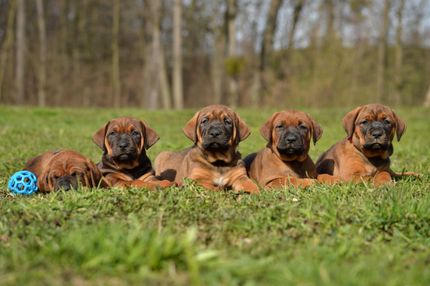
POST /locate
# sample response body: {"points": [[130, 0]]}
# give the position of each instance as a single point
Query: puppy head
{"points": [[371, 129], [216, 128], [68, 170], [289, 133], [123, 140]]}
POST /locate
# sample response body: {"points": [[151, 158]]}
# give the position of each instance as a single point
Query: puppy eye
{"points": [[364, 122], [279, 126], [204, 120], [112, 133], [227, 121], [135, 133], [303, 127], [387, 122]]}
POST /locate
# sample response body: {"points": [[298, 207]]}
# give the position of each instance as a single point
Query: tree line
{"points": [[173, 54]]}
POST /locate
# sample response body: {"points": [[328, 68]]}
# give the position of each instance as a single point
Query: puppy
{"points": [[64, 170], [285, 160], [213, 161], [365, 153], [124, 163]]}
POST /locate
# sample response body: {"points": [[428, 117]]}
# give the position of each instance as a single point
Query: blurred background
{"points": [[174, 54]]}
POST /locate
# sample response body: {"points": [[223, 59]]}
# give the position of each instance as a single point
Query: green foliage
{"points": [[345, 235], [234, 66]]}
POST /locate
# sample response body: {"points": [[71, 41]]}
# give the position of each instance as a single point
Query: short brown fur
{"points": [[213, 170], [50, 166], [272, 169], [349, 160], [133, 173]]}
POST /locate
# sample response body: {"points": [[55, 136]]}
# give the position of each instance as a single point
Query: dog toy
{"points": [[23, 183]]}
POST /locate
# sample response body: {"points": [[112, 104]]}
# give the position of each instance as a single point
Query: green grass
{"points": [[344, 235]]}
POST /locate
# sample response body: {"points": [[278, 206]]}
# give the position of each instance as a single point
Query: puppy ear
{"points": [[44, 183], [99, 136], [151, 137], [266, 129], [400, 126], [190, 129], [317, 131], [243, 129], [349, 121]]}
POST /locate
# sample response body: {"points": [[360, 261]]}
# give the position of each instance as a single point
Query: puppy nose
{"points": [[377, 133], [291, 138], [214, 132], [123, 144]]}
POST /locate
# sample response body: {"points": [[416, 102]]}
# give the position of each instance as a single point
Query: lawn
{"points": [[345, 235]]}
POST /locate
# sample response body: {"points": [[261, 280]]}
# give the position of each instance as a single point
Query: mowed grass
{"points": [[345, 235]]}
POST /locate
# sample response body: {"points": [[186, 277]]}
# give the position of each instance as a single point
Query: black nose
{"points": [[64, 184], [291, 138], [214, 132], [377, 133], [123, 144]]}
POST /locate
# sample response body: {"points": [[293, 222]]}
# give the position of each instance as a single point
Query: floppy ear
{"points": [[44, 183], [243, 129], [317, 131], [151, 137], [266, 129], [190, 129], [400, 126], [99, 136], [349, 121]]}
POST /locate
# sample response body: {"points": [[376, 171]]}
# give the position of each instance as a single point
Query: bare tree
{"points": [[116, 84], [231, 50], [382, 47], [427, 99], [20, 52], [267, 45], [399, 52], [5, 51], [177, 55], [41, 92]]}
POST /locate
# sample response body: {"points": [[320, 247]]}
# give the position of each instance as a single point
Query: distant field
{"points": [[345, 235]]}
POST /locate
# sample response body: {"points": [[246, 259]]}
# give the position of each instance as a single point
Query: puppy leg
{"points": [[290, 181], [328, 179], [245, 184], [382, 178]]}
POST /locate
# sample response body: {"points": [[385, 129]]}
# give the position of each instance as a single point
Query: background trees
{"points": [[177, 53]]}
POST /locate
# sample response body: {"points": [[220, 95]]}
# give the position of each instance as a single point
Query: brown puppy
{"points": [[213, 162], [124, 162], [284, 160], [365, 153], [64, 170]]}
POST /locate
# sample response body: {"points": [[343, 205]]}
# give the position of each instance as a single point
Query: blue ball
{"points": [[23, 183]]}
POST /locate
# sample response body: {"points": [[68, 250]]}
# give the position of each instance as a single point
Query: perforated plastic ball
{"points": [[23, 183]]}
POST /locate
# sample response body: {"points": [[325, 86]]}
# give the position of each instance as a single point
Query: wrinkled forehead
{"points": [[124, 125], [217, 112], [65, 162], [375, 112], [291, 117]]}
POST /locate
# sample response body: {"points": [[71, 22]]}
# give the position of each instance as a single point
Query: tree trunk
{"points": [[159, 54], [266, 46], [5, 52], [427, 100], [298, 7], [20, 52], [41, 92], [382, 47], [399, 53], [177, 55], [116, 84], [231, 51]]}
